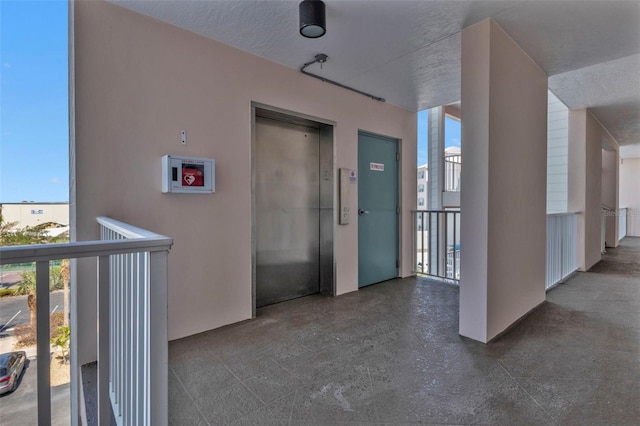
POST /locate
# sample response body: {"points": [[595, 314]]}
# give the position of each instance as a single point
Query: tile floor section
{"points": [[391, 354]]}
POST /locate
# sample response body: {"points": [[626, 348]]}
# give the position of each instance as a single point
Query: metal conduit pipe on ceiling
{"points": [[321, 58]]}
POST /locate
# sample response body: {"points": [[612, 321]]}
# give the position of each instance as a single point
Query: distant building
{"points": [[423, 180], [452, 168], [33, 214]]}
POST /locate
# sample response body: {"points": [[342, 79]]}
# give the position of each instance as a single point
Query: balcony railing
{"points": [[132, 321], [622, 223], [437, 243], [452, 169], [562, 247]]}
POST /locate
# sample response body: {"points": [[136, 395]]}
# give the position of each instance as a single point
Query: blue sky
{"points": [[34, 156], [452, 136]]}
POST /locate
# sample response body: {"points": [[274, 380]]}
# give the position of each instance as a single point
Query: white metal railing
{"points": [[604, 213], [622, 223], [562, 247], [452, 169], [453, 263], [136, 291], [436, 246], [120, 285]]}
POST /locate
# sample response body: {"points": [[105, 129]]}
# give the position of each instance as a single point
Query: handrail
{"points": [[140, 240], [128, 231], [563, 213], [81, 249], [435, 211], [150, 250]]}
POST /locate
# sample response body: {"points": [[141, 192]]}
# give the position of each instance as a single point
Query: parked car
{"points": [[11, 367]]}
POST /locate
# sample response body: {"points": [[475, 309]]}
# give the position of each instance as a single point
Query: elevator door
{"points": [[287, 211]]}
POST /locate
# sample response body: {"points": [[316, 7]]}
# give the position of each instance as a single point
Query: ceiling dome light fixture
{"points": [[312, 18]]}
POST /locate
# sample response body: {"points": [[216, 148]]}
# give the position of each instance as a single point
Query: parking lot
{"points": [[15, 310], [21, 406]]}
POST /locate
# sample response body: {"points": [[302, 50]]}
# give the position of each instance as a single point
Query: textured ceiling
{"points": [[408, 52], [612, 91]]}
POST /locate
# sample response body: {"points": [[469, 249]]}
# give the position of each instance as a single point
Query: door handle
{"points": [[362, 212]]}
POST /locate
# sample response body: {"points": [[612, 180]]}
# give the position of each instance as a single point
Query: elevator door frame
{"points": [[328, 208]]}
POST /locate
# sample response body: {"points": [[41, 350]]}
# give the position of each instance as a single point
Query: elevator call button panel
{"points": [[346, 178], [188, 175]]}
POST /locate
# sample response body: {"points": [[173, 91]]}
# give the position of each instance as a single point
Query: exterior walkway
{"points": [[391, 354]]}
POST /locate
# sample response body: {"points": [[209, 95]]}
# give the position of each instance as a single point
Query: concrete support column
{"points": [[436, 158], [436, 188], [585, 184], [503, 201]]}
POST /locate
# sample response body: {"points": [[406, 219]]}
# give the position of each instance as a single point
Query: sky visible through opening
{"points": [[34, 130], [34, 111], [452, 135]]}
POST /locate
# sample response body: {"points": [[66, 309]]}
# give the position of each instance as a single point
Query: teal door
{"points": [[377, 209]]}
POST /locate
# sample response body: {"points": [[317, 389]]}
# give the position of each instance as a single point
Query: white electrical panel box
{"points": [[188, 175]]}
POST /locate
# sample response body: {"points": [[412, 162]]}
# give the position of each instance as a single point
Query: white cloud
{"points": [[55, 180]]}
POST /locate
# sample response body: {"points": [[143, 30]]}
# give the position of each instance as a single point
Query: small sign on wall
{"points": [[376, 167], [353, 177]]}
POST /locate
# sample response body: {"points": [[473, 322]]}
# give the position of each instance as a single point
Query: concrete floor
{"points": [[391, 354]]}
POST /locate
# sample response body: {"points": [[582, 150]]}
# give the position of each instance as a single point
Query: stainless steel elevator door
{"points": [[287, 209]]}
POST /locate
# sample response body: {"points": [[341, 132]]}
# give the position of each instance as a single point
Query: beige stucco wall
{"points": [[630, 193], [585, 184], [33, 214], [504, 181], [475, 202], [138, 82]]}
